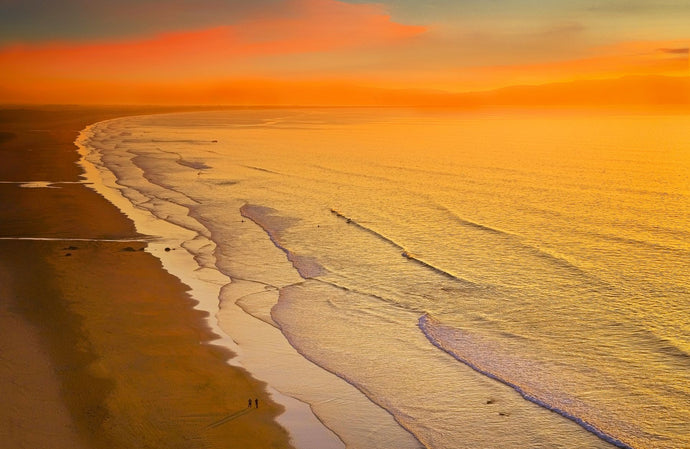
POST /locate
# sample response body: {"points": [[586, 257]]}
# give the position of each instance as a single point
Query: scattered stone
{"points": [[68, 254], [167, 249], [503, 414], [490, 401], [128, 249]]}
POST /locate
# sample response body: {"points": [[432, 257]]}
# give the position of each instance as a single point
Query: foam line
{"points": [[307, 267], [425, 324]]}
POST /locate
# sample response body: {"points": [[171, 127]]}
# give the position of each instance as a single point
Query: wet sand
{"points": [[100, 347]]}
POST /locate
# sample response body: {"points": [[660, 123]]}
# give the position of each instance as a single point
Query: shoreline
{"points": [[177, 249], [114, 351], [328, 411], [189, 187]]}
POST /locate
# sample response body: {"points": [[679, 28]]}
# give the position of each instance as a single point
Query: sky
{"points": [[326, 51]]}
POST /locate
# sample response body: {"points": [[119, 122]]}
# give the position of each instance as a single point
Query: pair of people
{"points": [[256, 403]]}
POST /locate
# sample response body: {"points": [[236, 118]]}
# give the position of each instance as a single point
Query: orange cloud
{"points": [[310, 52], [231, 92], [627, 58], [312, 26], [668, 58]]}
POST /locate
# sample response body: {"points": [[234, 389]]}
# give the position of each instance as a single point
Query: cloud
{"points": [[624, 58], [675, 51], [81, 20], [305, 26], [641, 6]]}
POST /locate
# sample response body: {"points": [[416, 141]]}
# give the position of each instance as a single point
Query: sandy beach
{"points": [[100, 346]]}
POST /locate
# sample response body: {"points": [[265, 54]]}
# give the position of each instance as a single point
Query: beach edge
{"points": [[80, 314]]}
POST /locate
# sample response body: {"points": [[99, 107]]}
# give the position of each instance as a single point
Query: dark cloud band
{"points": [[75, 20]]}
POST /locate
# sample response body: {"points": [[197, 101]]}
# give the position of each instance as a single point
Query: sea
{"points": [[406, 278]]}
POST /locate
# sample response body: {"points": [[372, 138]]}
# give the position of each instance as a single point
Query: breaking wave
{"points": [[441, 337], [272, 224], [404, 252]]}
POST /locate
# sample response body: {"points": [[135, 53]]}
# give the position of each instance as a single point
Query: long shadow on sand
{"points": [[229, 418]]}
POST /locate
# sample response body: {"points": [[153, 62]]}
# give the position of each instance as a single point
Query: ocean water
{"points": [[431, 278]]}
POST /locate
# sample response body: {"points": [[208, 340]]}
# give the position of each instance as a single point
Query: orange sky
{"points": [[324, 52]]}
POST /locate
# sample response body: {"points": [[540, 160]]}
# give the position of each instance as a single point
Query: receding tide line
{"points": [[424, 321]]}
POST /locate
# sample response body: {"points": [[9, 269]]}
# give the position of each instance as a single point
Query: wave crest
{"points": [[449, 340], [268, 220], [404, 252]]}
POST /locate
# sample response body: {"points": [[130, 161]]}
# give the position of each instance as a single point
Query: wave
{"points": [[675, 350], [266, 218], [167, 193], [471, 224], [164, 141], [193, 164], [433, 331], [197, 165], [512, 239], [265, 170], [353, 174], [404, 252], [678, 234], [519, 243]]}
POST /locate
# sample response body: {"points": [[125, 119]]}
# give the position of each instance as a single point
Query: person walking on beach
{"points": [[256, 403], [250, 403]]}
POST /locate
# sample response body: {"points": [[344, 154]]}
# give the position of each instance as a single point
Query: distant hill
{"points": [[625, 91], [629, 91]]}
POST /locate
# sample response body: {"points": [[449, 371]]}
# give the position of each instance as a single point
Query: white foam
{"points": [[305, 429]]}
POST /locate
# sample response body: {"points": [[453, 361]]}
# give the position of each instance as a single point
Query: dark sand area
{"points": [[99, 346]]}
